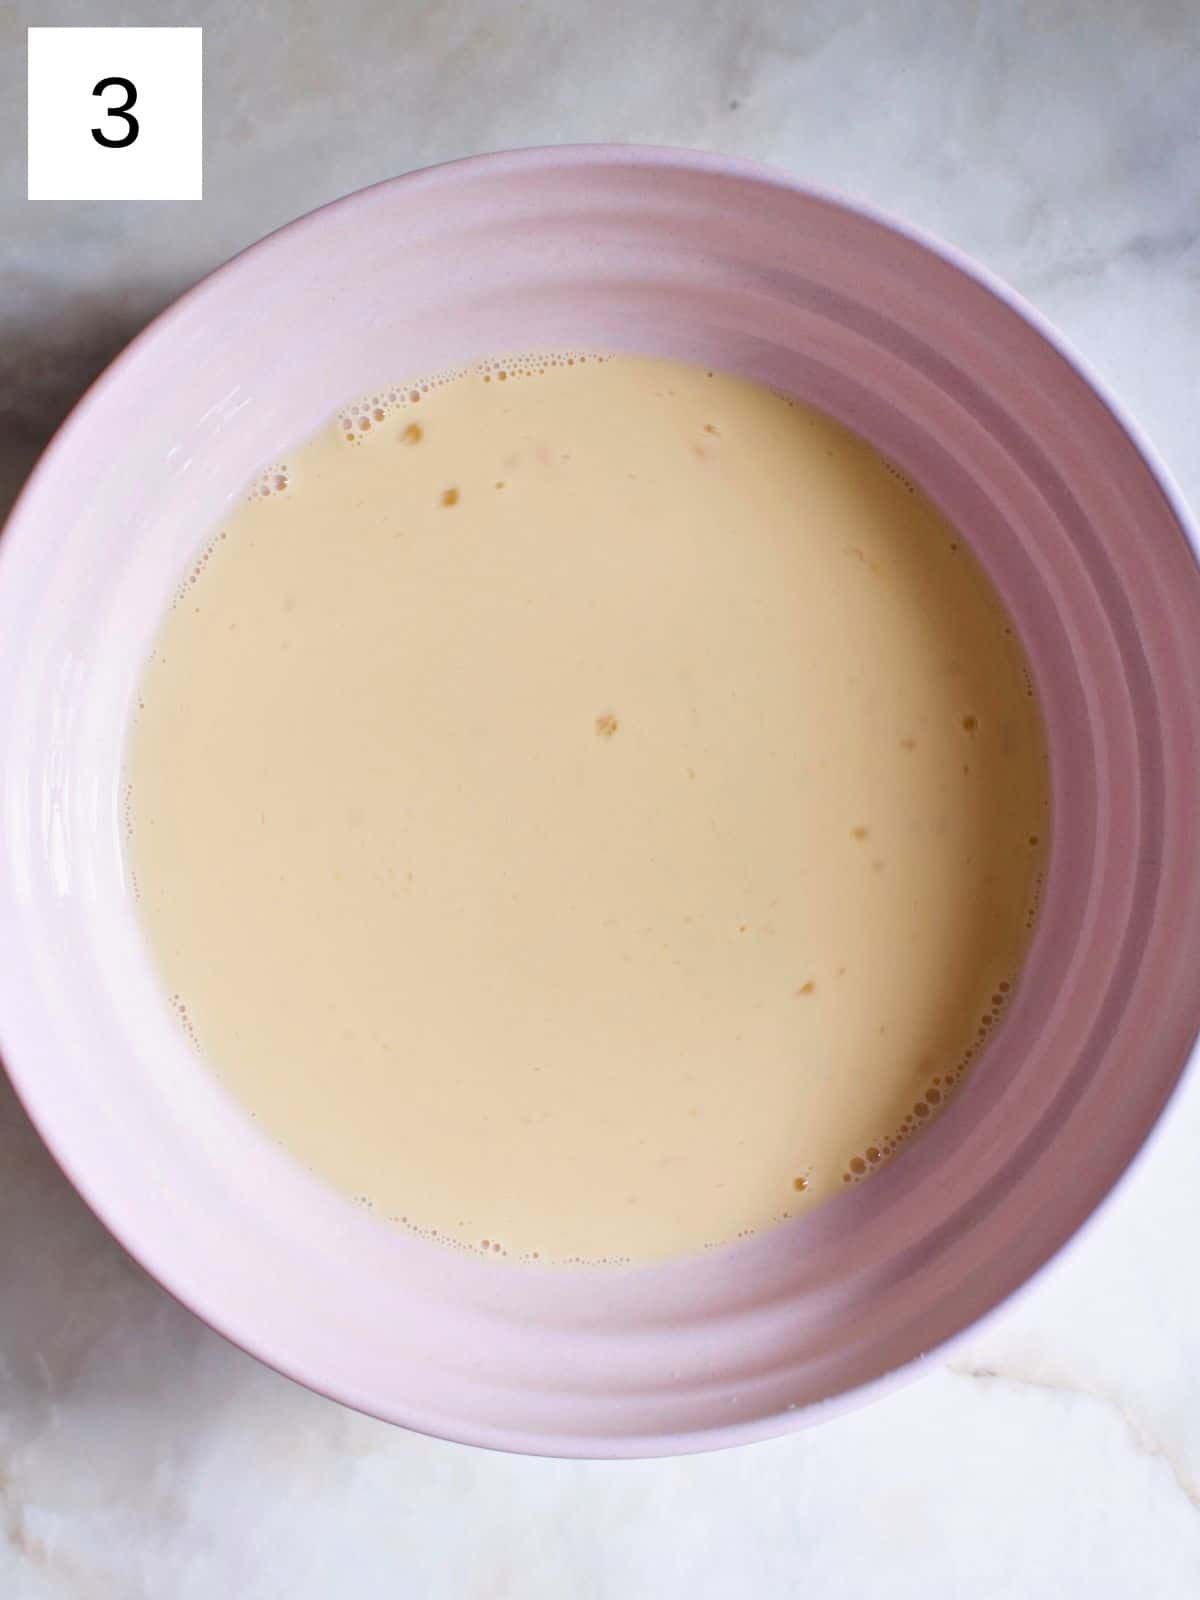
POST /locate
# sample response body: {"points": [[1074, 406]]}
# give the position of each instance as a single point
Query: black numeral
{"points": [[122, 111]]}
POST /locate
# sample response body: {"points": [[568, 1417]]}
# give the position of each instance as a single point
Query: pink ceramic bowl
{"points": [[723, 264]]}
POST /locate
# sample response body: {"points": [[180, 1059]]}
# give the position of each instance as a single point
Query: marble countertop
{"points": [[1058, 1452]]}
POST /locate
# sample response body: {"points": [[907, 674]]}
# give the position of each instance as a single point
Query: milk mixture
{"points": [[587, 808]]}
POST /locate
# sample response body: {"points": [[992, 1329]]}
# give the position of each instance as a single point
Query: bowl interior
{"points": [[724, 265]]}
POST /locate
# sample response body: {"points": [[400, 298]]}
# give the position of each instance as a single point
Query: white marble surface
{"points": [[1058, 1453]]}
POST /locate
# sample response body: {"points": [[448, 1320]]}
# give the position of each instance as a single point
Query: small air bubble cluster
{"points": [[194, 573], [899, 476], [181, 1011], [370, 414], [1035, 901], [487, 1247], [933, 1099], [368, 417], [270, 481], [445, 1238]]}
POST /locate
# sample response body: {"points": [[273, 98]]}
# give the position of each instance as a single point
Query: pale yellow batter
{"points": [[588, 812]]}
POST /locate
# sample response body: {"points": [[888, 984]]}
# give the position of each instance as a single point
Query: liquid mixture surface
{"points": [[588, 808]]}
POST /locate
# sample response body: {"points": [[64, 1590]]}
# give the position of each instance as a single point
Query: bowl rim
{"points": [[498, 165]]}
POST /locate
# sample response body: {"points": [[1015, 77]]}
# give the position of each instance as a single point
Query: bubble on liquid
{"points": [[906, 482], [366, 417], [181, 1011], [939, 1090], [272, 480], [1035, 900], [466, 1241]]}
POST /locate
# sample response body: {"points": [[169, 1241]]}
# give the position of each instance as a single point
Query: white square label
{"points": [[115, 114]]}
